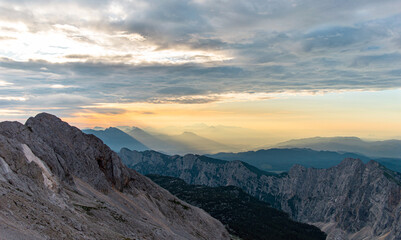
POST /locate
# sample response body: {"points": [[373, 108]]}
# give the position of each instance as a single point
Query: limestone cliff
{"points": [[59, 183], [352, 200]]}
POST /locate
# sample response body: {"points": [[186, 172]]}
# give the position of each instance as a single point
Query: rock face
{"points": [[193, 169], [352, 200], [59, 183], [245, 216]]}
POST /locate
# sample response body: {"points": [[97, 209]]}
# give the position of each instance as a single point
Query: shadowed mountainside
{"points": [[184, 143], [244, 215], [117, 139], [352, 200]]}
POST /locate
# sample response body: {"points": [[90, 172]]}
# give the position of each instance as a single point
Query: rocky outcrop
{"points": [[59, 183], [193, 169], [352, 200], [245, 216]]}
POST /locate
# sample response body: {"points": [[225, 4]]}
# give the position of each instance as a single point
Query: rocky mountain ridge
{"points": [[352, 200], [59, 183], [282, 159], [244, 215]]}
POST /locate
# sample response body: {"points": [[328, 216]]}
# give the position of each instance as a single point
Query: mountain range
{"points": [[117, 139], [352, 200], [377, 149], [137, 139], [59, 183], [282, 159]]}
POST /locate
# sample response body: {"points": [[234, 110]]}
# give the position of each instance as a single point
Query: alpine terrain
{"points": [[352, 200], [59, 183]]}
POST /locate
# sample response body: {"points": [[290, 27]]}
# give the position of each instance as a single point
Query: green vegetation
{"points": [[178, 203], [125, 238], [88, 209], [118, 217], [390, 174], [244, 216]]}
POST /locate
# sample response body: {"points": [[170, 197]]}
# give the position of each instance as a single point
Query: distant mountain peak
{"points": [[383, 149], [189, 134], [116, 139]]}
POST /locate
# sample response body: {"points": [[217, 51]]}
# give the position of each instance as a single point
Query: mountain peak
{"points": [[189, 134], [116, 139], [349, 162], [113, 129], [45, 117], [58, 182]]}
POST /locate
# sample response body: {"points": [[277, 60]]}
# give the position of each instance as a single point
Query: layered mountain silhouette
{"points": [[59, 183], [117, 139], [282, 159], [352, 200], [135, 138], [378, 149]]}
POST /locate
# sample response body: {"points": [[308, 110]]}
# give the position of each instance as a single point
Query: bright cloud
{"points": [[69, 56], [67, 43], [4, 83]]}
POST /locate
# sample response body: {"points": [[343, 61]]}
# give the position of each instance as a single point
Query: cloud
{"points": [[4, 83], [191, 52], [180, 91], [185, 100], [385, 60], [107, 111]]}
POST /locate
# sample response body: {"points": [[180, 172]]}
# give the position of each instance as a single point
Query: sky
{"points": [[271, 69]]}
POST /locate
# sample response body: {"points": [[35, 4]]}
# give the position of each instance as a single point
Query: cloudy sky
{"points": [[285, 68]]}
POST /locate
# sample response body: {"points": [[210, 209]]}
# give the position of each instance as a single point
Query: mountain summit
{"points": [[117, 139], [59, 183]]}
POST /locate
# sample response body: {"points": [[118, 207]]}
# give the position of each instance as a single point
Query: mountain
{"points": [[352, 200], [194, 169], [282, 159], [160, 142], [382, 149], [184, 143], [59, 183], [200, 145], [238, 211], [117, 139]]}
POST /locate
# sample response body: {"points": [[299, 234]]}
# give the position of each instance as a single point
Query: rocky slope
{"points": [[193, 169], [59, 183], [244, 215], [352, 200]]}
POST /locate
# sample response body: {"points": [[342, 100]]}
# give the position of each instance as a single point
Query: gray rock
{"points": [[58, 183], [359, 201]]}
